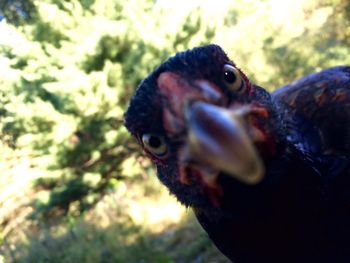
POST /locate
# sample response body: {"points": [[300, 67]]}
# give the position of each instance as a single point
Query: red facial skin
{"points": [[176, 94]]}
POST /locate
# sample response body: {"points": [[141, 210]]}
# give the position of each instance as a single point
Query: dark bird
{"points": [[267, 175]]}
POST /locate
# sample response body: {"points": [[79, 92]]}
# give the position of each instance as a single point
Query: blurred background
{"points": [[74, 186]]}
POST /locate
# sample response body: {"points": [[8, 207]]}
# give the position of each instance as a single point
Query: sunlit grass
{"points": [[138, 223], [77, 60]]}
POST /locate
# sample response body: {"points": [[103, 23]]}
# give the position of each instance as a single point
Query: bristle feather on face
{"points": [[199, 63], [153, 109], [264, 173]]}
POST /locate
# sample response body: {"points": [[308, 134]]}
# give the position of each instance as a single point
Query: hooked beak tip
{"points": [[218, 139]]}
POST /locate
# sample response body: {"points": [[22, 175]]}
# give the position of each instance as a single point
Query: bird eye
{"points": [[232, 78], [155, 144]]}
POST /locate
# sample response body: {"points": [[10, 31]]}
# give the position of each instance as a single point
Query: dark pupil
{"points": [[230, 77], [154, 142]]}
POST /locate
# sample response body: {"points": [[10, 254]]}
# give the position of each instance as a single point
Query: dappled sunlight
{"points": [[74, 185], [120, 241], [156, 215], [154, 212], [153, 229], [16, 187]]}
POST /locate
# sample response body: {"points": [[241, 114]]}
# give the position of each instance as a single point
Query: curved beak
{"points": [[217, 138]]}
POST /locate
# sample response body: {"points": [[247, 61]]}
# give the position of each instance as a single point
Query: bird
{"points": [[267, 174]]}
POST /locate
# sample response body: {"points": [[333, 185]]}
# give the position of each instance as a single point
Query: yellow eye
{"points": [[155, 144], [232, 78]]}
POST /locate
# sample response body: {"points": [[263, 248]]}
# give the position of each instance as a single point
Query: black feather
{"points": [[300, 212]]}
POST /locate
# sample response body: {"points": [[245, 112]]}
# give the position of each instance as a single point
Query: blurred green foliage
{"points": [[67, 77], [17, 11], [68, 69], [119, 243]]}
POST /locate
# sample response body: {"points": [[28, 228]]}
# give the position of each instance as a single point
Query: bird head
{"points": [[199, 118]]}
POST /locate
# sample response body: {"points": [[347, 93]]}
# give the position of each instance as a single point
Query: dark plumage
{"points": [[267, 175]]}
